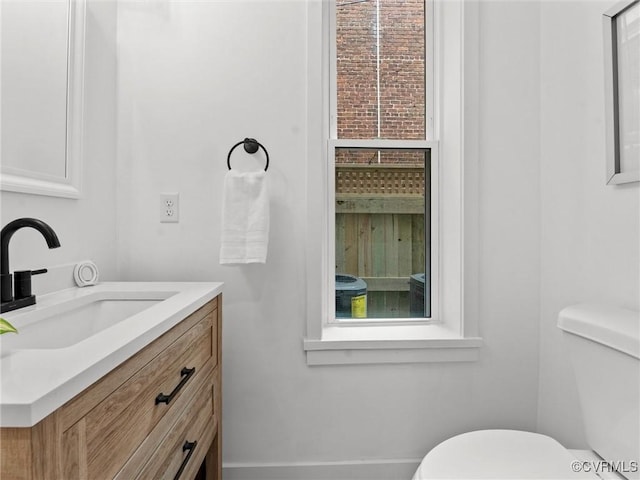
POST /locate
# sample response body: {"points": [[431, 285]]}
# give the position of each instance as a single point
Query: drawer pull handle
{"points": [[186, 374], [191, 446]]}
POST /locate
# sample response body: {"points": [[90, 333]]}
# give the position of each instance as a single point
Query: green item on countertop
{"points": [[6, 327]]}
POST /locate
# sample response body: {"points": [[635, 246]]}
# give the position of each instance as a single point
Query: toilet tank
{"points": [[604, 345]]}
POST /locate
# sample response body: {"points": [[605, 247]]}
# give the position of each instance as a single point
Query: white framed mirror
{"points": [[42, 71], [621, 27]]}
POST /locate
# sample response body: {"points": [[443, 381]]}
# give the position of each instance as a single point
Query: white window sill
{"points": [[348, 345]]}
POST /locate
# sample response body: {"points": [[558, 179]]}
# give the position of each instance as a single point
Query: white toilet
{"points": [[604, 345]]}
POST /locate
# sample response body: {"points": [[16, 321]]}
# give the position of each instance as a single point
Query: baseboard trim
{"points": [[396, 469]]}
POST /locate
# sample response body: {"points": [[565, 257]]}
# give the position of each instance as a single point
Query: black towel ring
{"points": [[251, 145]]}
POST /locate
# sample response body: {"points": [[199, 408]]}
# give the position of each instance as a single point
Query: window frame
{"points": [[453, 335]]}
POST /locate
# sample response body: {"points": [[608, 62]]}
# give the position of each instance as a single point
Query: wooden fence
{"points": [[380, 231]]}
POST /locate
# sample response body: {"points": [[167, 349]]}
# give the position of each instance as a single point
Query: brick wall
{"points": [[402, 92]]}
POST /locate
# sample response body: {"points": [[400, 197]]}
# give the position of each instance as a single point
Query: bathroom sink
{"points": [[71, 338], [68, 323]]}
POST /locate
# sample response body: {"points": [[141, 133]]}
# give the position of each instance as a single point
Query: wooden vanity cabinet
{"points": [[157, 415]]}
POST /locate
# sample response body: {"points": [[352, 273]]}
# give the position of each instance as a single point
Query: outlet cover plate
{"points": [[169, 208]]}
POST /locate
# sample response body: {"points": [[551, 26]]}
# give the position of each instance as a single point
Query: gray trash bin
{"points": [[416, 295], [351, 297]]}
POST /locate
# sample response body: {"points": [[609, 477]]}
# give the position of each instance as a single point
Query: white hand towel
{"points": [[245, 218]]}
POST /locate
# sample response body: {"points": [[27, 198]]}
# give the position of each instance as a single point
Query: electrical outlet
{"points": [[169, 207]]}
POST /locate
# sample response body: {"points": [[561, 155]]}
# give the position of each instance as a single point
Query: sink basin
{"points": [[68, 323]]}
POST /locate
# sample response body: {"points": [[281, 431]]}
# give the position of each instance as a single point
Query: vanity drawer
{"points": [[113, 429], [185, 445]]}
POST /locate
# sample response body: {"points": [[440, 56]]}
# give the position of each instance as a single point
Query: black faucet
{"points": [[23, 296]]}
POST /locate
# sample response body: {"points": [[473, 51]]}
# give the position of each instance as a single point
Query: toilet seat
{"points": [[499, 454]]}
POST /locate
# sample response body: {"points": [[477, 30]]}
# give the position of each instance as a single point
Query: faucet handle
{"points": [[7, 287], [22, 286]]}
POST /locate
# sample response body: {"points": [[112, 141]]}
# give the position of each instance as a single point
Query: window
{"points": [[383, 226], [382, 162], [380, 69], [389, 198]]}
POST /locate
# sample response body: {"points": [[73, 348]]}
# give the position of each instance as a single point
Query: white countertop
{"points": [[34, 383]]}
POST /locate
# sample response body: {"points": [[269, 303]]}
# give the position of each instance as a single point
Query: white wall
{"points": [[86, 227], [590, 243], [197, 77]]}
